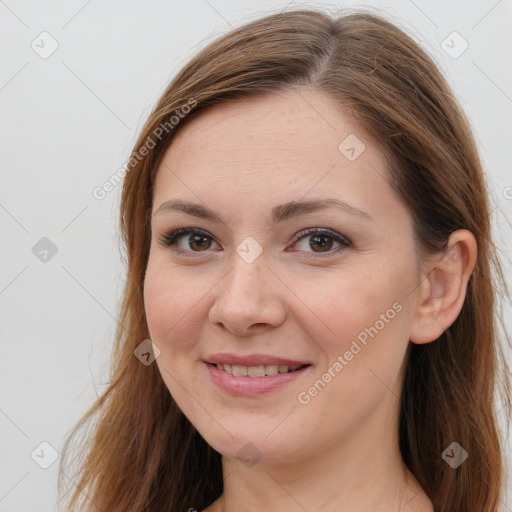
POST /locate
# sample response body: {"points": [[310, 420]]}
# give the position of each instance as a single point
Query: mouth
{"points": [[254, 374], [262, 370]]}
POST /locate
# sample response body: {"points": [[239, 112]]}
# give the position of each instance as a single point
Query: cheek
{"points": [[172, 304], [173, 308], [347, 304], [362, 316]]}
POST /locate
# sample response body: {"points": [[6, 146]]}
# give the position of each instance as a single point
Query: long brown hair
{"points": [[143, 454]]}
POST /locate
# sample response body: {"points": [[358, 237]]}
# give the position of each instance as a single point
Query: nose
{"points": [[248, 299]]}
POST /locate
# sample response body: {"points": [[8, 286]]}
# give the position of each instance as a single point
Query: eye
{"points": [[323, 239], [197, 237], [199, 240]]}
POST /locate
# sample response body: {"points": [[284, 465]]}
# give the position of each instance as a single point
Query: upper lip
{"points": [[252, 360]]}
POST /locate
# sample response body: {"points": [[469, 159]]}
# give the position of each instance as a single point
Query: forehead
{"points": [[301, 121], [283, 145]]}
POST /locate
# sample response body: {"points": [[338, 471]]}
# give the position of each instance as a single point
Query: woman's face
{"points": [[255, 288]]}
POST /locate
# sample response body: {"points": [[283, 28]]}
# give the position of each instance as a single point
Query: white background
{"points": [[68, 123]]}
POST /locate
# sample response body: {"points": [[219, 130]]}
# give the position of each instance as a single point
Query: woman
{"points": [[309, 319]]}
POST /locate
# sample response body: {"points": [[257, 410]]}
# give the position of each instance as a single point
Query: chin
{"points": [[250, 441]]}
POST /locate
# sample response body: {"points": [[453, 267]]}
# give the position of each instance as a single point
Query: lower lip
{"points": [[252, 385]]}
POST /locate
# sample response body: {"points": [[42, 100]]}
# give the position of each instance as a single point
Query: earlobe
{"points": [[442, 292]]}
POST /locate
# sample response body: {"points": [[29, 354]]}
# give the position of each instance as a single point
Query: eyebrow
{"points": [[279, 213]]}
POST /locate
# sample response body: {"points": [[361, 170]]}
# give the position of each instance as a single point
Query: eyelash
{"points": [[170, 239]]}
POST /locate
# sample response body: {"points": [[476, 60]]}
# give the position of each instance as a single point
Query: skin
{"points": [[339, 451]]}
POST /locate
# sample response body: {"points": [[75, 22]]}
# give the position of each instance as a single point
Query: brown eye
{"points": [[198, 240], [321, 241]]}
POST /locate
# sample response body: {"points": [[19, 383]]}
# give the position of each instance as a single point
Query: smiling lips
{"points": [[254, 365], [253, 374], [256, 371]]}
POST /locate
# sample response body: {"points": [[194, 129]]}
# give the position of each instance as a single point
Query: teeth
{"points": [[271, 369], [239, 371], [255, 371]]}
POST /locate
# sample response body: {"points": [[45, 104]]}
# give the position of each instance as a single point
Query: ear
{"points": [[442, 292]]}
